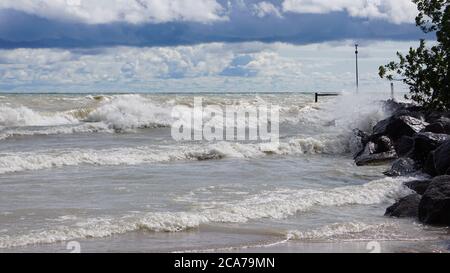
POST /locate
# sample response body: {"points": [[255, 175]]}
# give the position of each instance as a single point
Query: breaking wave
{"points": [[117, 113], [339, 232], [130, 112], [38, 160], [23, 116], [55, 130], [348, 231], [120, 113], [276, 204]]}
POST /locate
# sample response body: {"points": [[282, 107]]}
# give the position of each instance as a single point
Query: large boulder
{"points": [[413, 111], [438, 161], [428, 167], [404, 145], [425, 143], [434, 208], [358, 141], [391, 106], [378, 151], [419, 186], [383, 144], [395, 108], [442, 159], [405, 207], [436, 116], [439, 126], [369, 149], [401, 167], [373, 159], [398, 126]]}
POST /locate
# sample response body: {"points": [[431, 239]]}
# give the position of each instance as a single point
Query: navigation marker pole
{"points": [[357, 68]]}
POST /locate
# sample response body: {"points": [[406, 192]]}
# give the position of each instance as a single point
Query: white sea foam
{"points": [[348, 231], [128, 112], [38, 160], [131, 111], [359, 231], [340, 232], [23, 116], [271, 204], [118, 112], [134, 111], [56, 130]]}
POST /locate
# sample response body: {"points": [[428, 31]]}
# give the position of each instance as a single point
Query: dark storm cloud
{"points": [[19, 29]]}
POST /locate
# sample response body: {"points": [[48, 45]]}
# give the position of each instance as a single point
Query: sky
{"points": [[199, 45]]}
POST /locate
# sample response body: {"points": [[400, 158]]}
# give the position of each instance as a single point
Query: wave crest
{"points": [[274, 204], [130, 112], [24, 116]]}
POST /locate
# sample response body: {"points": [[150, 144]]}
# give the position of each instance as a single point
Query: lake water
{"points": [[105, 172]]}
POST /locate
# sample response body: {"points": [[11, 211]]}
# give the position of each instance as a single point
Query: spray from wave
{"points": [[128, 112], [326, 129]]}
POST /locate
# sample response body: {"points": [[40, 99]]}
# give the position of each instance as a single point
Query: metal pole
{"points": [[392, 90], [357, 68]]}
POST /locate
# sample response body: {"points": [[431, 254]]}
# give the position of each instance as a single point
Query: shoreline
{"points": [[416, 141], [274, 245]]}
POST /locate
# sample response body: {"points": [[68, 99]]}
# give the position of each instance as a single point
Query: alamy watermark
{"points": [[225, 123]]}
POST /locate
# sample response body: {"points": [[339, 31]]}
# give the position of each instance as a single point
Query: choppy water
{"points": [[104, 171]]}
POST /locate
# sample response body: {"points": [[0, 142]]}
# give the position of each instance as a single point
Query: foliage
{"points": [[426, 69]]}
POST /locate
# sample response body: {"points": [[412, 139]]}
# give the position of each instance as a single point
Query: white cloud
{"points": [[204, 11], [124, 64], [205, 67], [131, 11], [118, 64], [396, 11], [263, 9]]}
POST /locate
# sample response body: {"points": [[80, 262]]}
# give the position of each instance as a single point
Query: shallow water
{"points": [[105, 172]]}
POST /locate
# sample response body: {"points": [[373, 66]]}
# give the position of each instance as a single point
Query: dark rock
{"points": [[397, 109], [392, 106], [358, 141], [377, 151], [425, 143], [437, 128], [434, 208], [411, 112], [442, 159], [404, 145], [419, 186], [373, 159], [362, 135], [438, 161], [396, 127], [207, 156], [371, 148], [402, 166], [440, 126], [405, 207], [436, 116], [383, 144], [429, 167], [415, 108]]}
